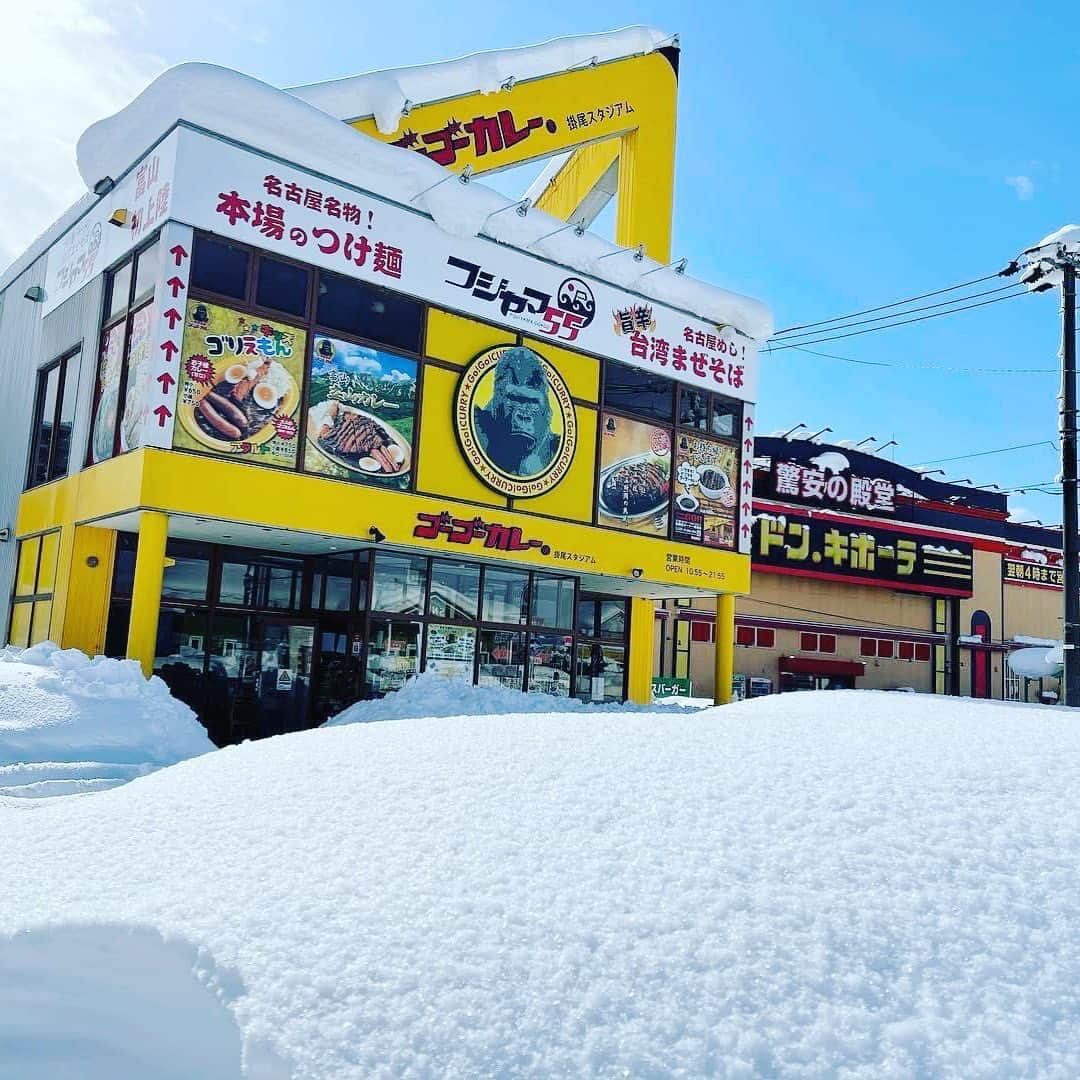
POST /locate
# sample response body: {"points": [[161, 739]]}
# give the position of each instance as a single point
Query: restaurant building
{"points": [[302, 414], [871, 575]]}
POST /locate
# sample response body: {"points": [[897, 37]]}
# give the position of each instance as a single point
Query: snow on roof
{"points": [[831, 884], [68, 723], [382, 94], [275, 122]]}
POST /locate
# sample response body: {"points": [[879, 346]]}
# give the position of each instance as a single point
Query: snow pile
{"points": [[850, 884], [1039, 270], [70, 724], [382, 94], [436, 695], [275, 122]]}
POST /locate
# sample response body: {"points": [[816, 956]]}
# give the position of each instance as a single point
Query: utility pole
{"points": [[1067, 428]]}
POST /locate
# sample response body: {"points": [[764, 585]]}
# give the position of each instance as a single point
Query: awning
{"points": [[811, 665]]}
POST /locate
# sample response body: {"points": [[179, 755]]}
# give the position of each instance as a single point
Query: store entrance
{"points": [[338, 655]]}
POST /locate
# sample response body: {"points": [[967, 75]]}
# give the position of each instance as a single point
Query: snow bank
{"points": [[275, 122], [848, 884], [382, 94], [436, 695], [69, 723]]}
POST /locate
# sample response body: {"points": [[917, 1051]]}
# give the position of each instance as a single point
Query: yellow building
{"points": [[874, 576], [307, 414]]}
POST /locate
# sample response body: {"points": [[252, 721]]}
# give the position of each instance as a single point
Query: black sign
{"points": [[828, 549], [1021, 572]]}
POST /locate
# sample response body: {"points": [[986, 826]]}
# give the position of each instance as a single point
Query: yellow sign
{"points": [[515, 421], [240, 385]]}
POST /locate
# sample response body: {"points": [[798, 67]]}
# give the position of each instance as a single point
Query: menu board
{"points": [[240, 380], [361, 411], [634, 488], [706, 491]]}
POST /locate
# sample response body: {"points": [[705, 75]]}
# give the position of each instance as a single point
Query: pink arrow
{"points": [[746, 530], [176, 285], [169, 349], [166, 380], [749, 422], [746, 466], [745, 506], [178, 253], [173, 316], [748, 445], [162, 414]]}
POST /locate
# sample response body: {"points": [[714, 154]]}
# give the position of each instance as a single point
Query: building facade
{"points": [[289, 440], [871, 575]]}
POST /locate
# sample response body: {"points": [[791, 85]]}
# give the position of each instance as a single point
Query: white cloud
{"points": [[66, 64], [1024, 186]]}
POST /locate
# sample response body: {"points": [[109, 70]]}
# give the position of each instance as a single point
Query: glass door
{"points": [[336, 683], [284, 683]]}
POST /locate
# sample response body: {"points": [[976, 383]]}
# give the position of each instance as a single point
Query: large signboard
{"points": [[828, 480], [1035, 567], [813, 547], [515, 421], [633, 491], [240, 381], [238, 193], [361, 412], [706, 491]]}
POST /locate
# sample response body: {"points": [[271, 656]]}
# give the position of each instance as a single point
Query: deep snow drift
{"points": [[71, 724], [857, 884]]}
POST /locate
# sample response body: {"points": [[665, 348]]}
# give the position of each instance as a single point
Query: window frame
{"points": [[37, 417]]}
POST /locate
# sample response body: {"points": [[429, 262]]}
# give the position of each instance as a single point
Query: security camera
{"points": [[637, 571], [376, 534]]}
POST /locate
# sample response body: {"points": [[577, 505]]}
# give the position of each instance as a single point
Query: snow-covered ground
{"points": [[70, 724], [851, 884]]}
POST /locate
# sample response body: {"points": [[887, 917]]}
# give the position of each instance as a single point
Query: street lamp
{"points": [[1049, 263]]}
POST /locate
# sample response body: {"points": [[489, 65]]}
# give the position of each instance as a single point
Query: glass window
{"points": [[744, 635], [124, 564], [180, 656], [549, 664], [613, 620], [726, 417], [393, 655], [220, 267], [281, 286], [694, 409], [331, 588], [186, 579], [505, 594], [363, 561], [146, 267], [502, 659], [62, 443], [400, 582], [639, 392], [455, 590], [808, 643], [355, 308], [260, 581], [701, 631], [599, 672], [868, 647], [766, 639], [231, 711], [450, 650], [552, 601], [43, 425], [119, 291], [586, 618], [885, 649]]}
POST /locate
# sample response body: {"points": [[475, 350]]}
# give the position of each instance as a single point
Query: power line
{"points": [[927, 367], [836, 615], [902, 322], [987, 453], [885, 307], [910, 311]]}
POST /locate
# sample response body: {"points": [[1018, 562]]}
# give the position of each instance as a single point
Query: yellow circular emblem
{"points": [[515, 421]]}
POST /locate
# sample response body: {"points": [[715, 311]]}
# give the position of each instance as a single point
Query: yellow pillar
{"points": [[640, 660], [725, 648], [146, 592]]}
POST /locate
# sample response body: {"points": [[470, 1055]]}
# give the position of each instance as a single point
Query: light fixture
{"points": [[885, 446], [35, 293], [795, 428], [811, 438], [930, 472], [104, 185], [862, 442], [118, 217], [376, 534]]}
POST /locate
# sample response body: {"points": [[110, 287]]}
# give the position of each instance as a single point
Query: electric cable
{"points": [[896, 303], [1015, 285], [987, 453], [927, 367], [902, 322]]}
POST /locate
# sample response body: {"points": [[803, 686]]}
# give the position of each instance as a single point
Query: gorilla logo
{"points": [[515, 441]]}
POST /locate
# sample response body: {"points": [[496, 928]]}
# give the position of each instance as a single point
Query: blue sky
{"points": [[831, 157]]}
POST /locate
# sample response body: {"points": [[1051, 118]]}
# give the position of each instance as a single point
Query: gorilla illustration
{"points": [[514, 428]]}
